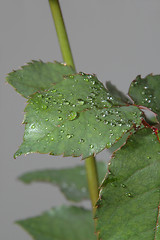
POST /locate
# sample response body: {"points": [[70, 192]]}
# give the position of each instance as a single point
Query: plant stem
{"points": [[61, 32], [90, 162], [92, 177]]}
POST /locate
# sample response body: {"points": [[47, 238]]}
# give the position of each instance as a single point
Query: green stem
{"points": [[90, 162], [61, 32], [92, 177]]}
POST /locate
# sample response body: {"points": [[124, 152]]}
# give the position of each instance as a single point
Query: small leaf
{"points": [[67, 223], [71, 181], [129, 200], [120, 96], [76, 117], [145, 92], [37, 76]]}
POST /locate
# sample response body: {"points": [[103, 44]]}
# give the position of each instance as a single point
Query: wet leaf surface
{"points": [[75, 117], [146, 92], [120, 96]]}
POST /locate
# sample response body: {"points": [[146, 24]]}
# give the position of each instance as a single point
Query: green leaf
{"points": [[67, 223], [71, 181], [120, 96], [76, 117], [130, 195], [37, 76], [146, 92]]}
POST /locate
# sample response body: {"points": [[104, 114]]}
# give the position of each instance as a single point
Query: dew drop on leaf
{"points": [[129, 194], [69, 136], [93, 94], [81, 141], [72, 115], [53, 90], [91, 146], [86, 79], [71, 76], [66, 103], [44, 106], [80, 101]]}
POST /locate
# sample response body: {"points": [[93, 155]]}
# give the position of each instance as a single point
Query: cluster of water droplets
{"points": [[61, 111], [147, 97]]}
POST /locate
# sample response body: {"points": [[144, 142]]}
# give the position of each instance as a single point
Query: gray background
{"points": [[116, 39]]}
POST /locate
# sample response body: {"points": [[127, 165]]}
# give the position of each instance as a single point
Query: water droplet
{"points": [[72, 115], [66, 103], [71, 76], [91, 146], [81, 141], [98, 119], [86, 79], [92, 94], [53, 90], [80, 101], [89, 98], [44, 106], [106, 122], [81, 73], [129, 195], [93, 82], [69, 136]]}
